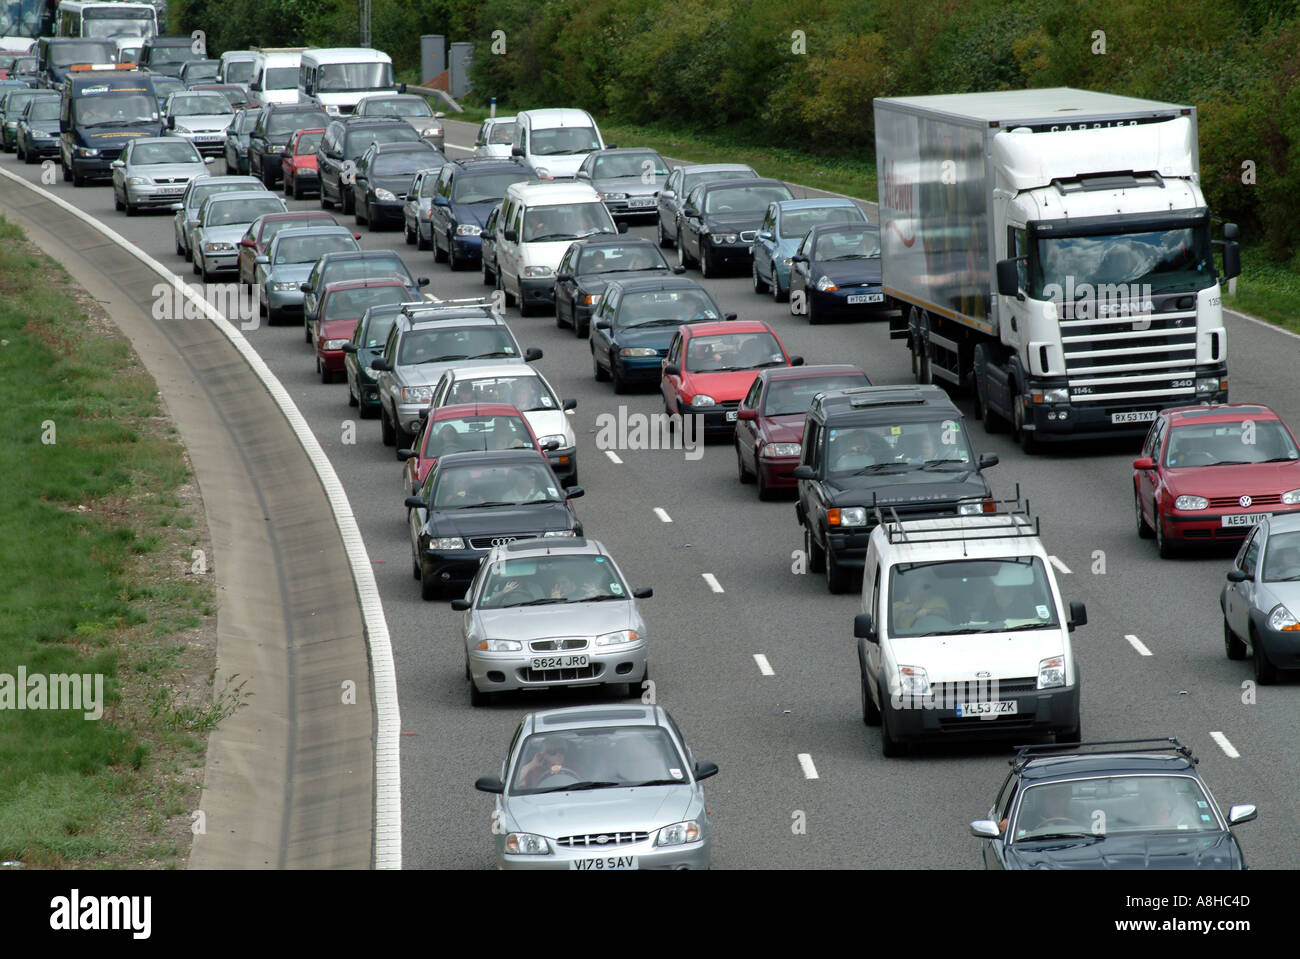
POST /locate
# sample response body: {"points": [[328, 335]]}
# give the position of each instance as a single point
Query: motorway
{"points": [[802, 782]]}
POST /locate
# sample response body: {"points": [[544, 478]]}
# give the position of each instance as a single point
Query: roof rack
{"points": [[1169, 744], [1020, 523]]}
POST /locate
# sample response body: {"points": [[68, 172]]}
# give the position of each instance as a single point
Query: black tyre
{"points": [[760, 285], [744, 475], [439, 254], [1143, 527], [816, 555], [870, 712], [1232, 646], [386, 432], [889, 746], [1164, 545], [1265, 671], [838, 578], [430, 589], [599, 372]]}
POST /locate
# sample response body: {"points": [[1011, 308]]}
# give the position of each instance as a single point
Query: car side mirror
{"points": [[1238, 576], [985, 829], [679, 269], [551, 444], [863, 628], [750, 415], [1008, 278], [510, 236], [516, 151], [460, 605], [414, 502], [567, 405], [573, 492], [611, 146], [690, 211], [672, 369], [1243, 813], [667, 193], [422, 281], [208, 161], [441, 201], [764, 235], [489, 784], [1078, 615], [1144, 463], [796, 361], [401, 454], [305, 287], [117, 165], [645, 592], [177, 206], [261, 260], [532, 354], [703, 770], [356, 236], [622, 227], [798, 258], [987, 460], [561, 277], [381, 364], [439, 115], [171, 123], [601, 324], [804, 472], [730, 317]]}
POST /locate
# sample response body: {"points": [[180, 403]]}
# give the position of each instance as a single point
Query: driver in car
{"points": [[551, 758], [1053, 810], [921, 600]]}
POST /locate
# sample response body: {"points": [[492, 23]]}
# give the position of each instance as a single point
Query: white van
{"points": [[537, 223], [963, 633], [335, 78], [237, 66], [275, 75], [555, 142]]}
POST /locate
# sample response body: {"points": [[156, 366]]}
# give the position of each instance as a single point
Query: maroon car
{"points": [[341, 306], [770, 421], [464, 427], [257, 239]]}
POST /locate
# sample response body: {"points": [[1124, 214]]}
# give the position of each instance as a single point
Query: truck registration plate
{"points": [[1133, 416]]}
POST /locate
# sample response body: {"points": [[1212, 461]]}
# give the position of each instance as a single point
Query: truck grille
{"points": [[1129, 355], [602, 839]]}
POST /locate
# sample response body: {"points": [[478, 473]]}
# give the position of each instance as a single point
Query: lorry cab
{"points": [[100, 112], [336, 78]]}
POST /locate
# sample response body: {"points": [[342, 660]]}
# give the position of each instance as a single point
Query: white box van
{"points": [[555, 142], [537, 223], [963, 633], [335, 78], [275, 75]]}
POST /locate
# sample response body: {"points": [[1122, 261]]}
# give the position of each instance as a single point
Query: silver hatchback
{"points": [[154, 172], [599, 788], [1261, 598]]}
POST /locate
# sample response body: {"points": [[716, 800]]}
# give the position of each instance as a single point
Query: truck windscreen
{"points": [[1153, 261]]}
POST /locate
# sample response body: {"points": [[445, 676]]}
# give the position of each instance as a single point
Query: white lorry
{"points": [[1050, 251]]}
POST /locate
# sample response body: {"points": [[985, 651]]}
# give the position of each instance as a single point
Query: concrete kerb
{"points": [[387, 848]]}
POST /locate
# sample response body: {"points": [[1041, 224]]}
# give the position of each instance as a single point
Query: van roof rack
{"points": [[1169, 744], [1019, 523]]}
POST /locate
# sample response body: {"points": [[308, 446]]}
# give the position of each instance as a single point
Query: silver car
{"points": [[199, 189], [600, 787], [415, 110], [288, 261], [200, 116], [541, 614], [684, 179], [495, 138], [1261, 598], [417, 211], [628, 179], [153, 172], [222, 220]]}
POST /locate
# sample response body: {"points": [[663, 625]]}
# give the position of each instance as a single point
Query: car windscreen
{"points": [[468, 434], [358, 141], [195, 105], [350, 304], [248, 120], [959, 597], [501, 134], [1112, 806], [526, 392], [377, 328], [847, 244], [433, 345], [620, 259], [612, 756], [937, 445], [270, 227], [196, 71], [790, 397], [110, 23], [151, 153], [280, 123], [239, 71], [163, 87], [309, 142], [201, 191], [564, 141], [797, 223], [485, 187], [229, 212], [14, 101], [727, 352], [43, 110], [562, 579], [569, 221], [369, 267], [280, 78], [66, 54], [397, 108], [646, 164], [349, 77], [309, 249], [405, 163], [170, 56], [118, 109], [666, 308], [466, 487], [1230, 444], [743, 199]]}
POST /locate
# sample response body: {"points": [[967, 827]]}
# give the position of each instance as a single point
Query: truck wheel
{"points": [[1026, 438], [816, 555]]}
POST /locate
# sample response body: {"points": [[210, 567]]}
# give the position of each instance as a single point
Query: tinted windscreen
{"points": [[163, 87], [358, 140], [1113, 806], [797, 223], [468, 487], [201, 192], [726, 352], [485, 187], [378, 327], [150, 153], [200, 71], [1230, 444], [192, 106], [398, 108], [309, 249], [239, 71], [345, 77], [43, 110], [113, 23], [620, 259], [350, 304], [847, 245], [170, 56], [665, 308], [271, 227], [240, 211], [743, 199], [631, 164], [937, 445], [376, 266], [524, 392], [473, 433], [281, 123], [501, 133], [444, 346], [15, 100], [564, 579], [309, 142], [403, 164], [787, 397], [120, 109], [571, 221], [970, 596], [248, 121], [66, 54], [280, 78], [562, 141]]}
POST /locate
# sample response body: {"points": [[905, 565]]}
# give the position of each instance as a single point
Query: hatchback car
{"points": [[198, 190], [636, 321], [288, 261], [471, 502], [1262, 586], [237, 134], [589, 265], [223, 219], [1207, 474], [681, 181], [835, 273], [711, 366], [769, 425], [628, 179], [600, 787], [590, 633], [298, 166], [367, 345], [1125, 804], [464, 428], [199, 71], [26, 70], [783, 230], [154, 172], [366, 264], [270, 137], [383, 179], [417, 210], [494, 138], [236, 94], [257, 241], [341, 306], [38, 130], [201, 117], [164, 86], [464, 193], [345, 140], [13, 100], [414, 109]]}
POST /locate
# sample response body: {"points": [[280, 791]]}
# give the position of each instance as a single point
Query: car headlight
{"points": [[542, 173], [417, 394], [782, 449], [703, 399], [613, 196], [527, 844], [1187, 501], [554, 533], [847, 516], [1291, 497], [559, 438], [371, 372], [913, 681], [1051, 672], [724, 238], [538, 271], [139, 181], [215, 246], [284, 287], [431, 132], [468, 229], [448, 542], [591, 299], [499, 646], [87, 152], [637, 351], [386, 195], [183, 132], [787, 261], [275, 148], [679, 833], [970, 509], [335, 344], [1281, 619], [619, 637], [1211, 384], [826, 285]]}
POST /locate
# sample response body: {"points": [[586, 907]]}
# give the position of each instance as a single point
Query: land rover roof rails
{"points": [[1169, 744], [1021, 523]]}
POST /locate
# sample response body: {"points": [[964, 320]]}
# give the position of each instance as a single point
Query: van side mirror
{"points": [[863, 628], [516, 151], [987, 460], [511, 236], [1078, 615], [1008, 277], [1231, 260]]}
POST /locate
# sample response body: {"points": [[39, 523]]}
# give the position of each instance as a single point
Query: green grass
{"points": [[86, 571], [1267, 290]]}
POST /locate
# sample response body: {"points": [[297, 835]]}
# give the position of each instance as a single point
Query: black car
{"points": [[587, 267], [465, 193], [836, 273], [270, 137], [164, 86], [168, 55], [383, 178], [238, 135], [354, 265], [681, 181], [471, 502], [38, 130], [899, 448], [13, 101], [198, 71], [28, 70], [341, 147], [57, 56], [367, 346], [1124, 804], [720, 220]]}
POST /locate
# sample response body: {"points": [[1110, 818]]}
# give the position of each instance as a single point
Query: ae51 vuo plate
{"points": [[1242, 519]]}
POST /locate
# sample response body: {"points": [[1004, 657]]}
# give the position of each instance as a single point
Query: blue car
{"points": [[466, 192], [836, 274], [635, 323], [786, 224]]}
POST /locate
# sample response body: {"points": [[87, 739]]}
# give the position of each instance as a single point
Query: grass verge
{"points": [[107, 573], [1267, 290]]}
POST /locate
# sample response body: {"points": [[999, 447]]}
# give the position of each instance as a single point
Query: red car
{"points": [[711, 366], [299, 164], [341, 306], [461, 428], [1207, 473], [769, 425], [257, 239]]}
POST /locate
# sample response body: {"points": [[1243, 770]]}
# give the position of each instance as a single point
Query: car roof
{"points": [[869, 401], [159, 140], [494, 371], [556, 546], [842, 225], [361, 284], [954, 538], [668, 281], [355, 122], [615, 239], [727, 326], [1283, 523], [1052, 767], [454, 410], [164, 41], [362, 255], [532, 193], [809, 372], [816, 203], [325, 229], [1218, 413], [715, 168], [294, 214], [619, 151], [464, 316], [491, 457], [238, 195], [489, 165], [345, 55], [409, 146], [581, 717]]}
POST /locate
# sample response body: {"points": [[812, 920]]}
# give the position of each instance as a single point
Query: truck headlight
{"points": [[527, 844], [703, 399], [499, 645], [913, 681], [332, 109], [619, 637], [468, 229], [1187, 501], [1210, 384], [386, 196], [1281, 619], [1051, 672], [1055, 395], [637, 351], [538, 271], [448, 542], [679, 833], [847, 516], [782, 449]]}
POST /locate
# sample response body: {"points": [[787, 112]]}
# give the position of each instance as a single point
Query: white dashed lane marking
{"points": [[663, 517], [713, 582], [613, 457], [809, 770], [1229, 750], [1137, 644], [764, 666]]}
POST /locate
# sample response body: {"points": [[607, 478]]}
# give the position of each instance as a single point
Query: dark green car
{"points": [[12, 101], [367, 345]]}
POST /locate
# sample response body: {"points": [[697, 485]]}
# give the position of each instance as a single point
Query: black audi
{"points": [[471, 502]]}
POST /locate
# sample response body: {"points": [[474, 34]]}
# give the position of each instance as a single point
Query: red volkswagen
{"points": [[341, 306], [464, 428], [1208, 473]]}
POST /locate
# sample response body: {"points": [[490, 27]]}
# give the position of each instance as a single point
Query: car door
{"points": [[689, 232], [991, 850], [509, 252], [415, 517], [765, 243], [664, 203], [801, 272], [747, 430], [810, 500], [327, 162], [361, 180], [608, 312], [257, 144], [1149, 481], [873, 574], [488, 240], [668, 384], [1239, 597], [566, 288], [441, 218]]}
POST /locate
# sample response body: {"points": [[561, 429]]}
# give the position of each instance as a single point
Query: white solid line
{"points": [[614, 457], [1059, 565], [713, 582], [764, 666], [1229, 750], [659, 511], [809, 770], [1137, 644]]}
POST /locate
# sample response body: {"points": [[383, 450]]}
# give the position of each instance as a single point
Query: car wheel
{"points": [[18, 151], [837, 577], [599, 372], [501, 287], [816, 555], [119, 206], [386, 431], [207, 275], [422, 244], [1265, 671], [489, 277], [326, 374], [430, 588], [759, 285], [1164, 545], [439, 254], [684, 259], [708, 270], [370, 218], [778, 295], [79, 180], [325, 202], [358, 212], [306, 332], [194, 265], [662, 237], [67, 173], [764, 491], [268, 177], [620, 384], [401, 439], [285, 185], [1144, 528], [744, 475], [407, 235], [814, 315], [889, 746], [1232, 646], [298, 191], [352, 397], [415, 560], [870, 712], [131, 209], [346, 200]]}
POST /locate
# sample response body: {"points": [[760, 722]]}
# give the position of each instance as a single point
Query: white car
{"points": [[494, 138], [200, 116]]}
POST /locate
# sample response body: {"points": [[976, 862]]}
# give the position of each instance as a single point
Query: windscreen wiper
{"points": [[579, 786]]}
